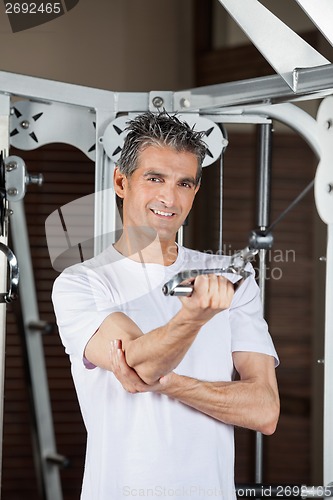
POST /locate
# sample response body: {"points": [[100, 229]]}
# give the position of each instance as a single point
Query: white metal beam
{"points": [[293, 116], [312, 83], [67, 93], [4, 145], [321, 13], [281, 46], [35, 353], [324, 203]]}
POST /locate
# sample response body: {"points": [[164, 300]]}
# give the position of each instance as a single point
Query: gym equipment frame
{"points": [[88, 115]]}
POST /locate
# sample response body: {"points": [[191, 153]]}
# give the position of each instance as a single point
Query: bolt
{"points": [[34, 179], [12, 192], [158, 101], [328, 124], [25, 124], [185, 103], [12, 165], [322, 259], [329, 187], [320, 361]]}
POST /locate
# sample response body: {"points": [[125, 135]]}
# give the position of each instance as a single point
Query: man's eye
{"points": [[186, 185], [154, 179]]}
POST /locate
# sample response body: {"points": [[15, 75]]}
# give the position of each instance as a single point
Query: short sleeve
{"points": [[81, 304], [248, 327]]}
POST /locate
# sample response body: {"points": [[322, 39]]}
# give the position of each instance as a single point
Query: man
{"points": [[154, 374]]}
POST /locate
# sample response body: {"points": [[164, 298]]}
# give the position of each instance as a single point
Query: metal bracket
{"points": [[17, 178], [15, 173], [261, 240]]}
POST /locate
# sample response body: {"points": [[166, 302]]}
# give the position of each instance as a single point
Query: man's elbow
{"points": [[147, 376], [146, 369], [270, 419], [142, 369]]}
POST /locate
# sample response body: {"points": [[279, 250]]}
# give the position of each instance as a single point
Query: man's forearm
{"points": [[251, 404], [160, 351]]}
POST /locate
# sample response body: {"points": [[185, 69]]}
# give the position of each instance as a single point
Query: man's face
{"points": [[160, 192]]}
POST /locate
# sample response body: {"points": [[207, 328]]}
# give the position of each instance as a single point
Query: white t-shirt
{"points": [[146, 444]]}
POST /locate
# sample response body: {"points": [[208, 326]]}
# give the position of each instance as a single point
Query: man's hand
{"points": [[211, 295], [128, 377]]}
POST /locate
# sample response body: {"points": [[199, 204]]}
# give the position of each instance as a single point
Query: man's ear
{"points": [[118, 182]]}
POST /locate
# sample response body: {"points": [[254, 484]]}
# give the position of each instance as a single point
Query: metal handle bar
{"points": [[13, 275], [174, 288]]}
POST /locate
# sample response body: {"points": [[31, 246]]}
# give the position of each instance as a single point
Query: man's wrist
{"points": [[184, 319]]}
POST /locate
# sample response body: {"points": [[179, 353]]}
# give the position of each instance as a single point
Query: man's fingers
{"points": [[212, 291], [118, 363], [128, 377], [118, 344]]}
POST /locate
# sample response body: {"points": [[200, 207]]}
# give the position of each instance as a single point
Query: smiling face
{"points": [[160, 192]]}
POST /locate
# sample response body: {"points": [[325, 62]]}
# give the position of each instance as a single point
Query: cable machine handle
{"points": [[13, 275]]}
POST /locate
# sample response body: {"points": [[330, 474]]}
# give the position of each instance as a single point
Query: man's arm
{"points": [[156, 353], [251, 402]]}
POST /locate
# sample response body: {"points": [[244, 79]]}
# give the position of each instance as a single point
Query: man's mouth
{"points": [[162, 213]]}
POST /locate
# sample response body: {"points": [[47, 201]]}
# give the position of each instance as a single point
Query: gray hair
{"points": [[159, 129]]}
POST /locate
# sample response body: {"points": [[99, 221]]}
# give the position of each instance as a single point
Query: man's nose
{"points": [[167, 194]]}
